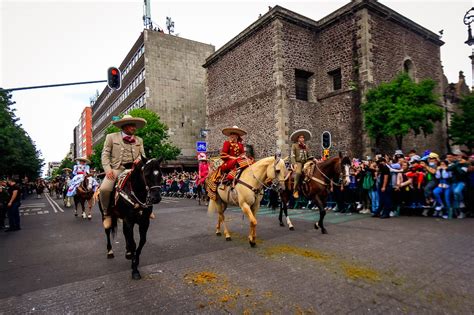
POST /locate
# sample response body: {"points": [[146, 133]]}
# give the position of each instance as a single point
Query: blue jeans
{"points": [[385, 203], [447, 196], [14, 215], [458, 193], [374, 199]]}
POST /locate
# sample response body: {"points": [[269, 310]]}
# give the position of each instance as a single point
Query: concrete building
{"points": [[51, 167], [162, 73], [77, 153], [83, 134], [286, 71]]}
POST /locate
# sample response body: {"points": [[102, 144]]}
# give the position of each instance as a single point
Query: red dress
{"points": [[231, 149]]}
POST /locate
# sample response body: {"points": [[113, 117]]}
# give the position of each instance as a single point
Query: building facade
{"points": [[51, 167], [83, 134], [285, 72], [162, 73]]}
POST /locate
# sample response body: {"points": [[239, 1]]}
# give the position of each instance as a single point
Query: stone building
{"points": [[286, 71], [162, 73]]}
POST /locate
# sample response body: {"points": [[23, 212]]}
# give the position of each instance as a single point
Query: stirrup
{"points": [[296, 195], [107, 222]]}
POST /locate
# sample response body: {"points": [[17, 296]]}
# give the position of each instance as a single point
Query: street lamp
{"points": [[468, 19]]}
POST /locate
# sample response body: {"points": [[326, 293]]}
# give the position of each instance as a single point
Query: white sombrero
{"points": [[83, 159], [295, 135], [234, 129], [127, 120]]}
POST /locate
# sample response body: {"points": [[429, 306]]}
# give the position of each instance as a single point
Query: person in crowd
{"points": [[13, 205], [385, 194], [470, 187], [120, 150], [430, 166], [363, 192], [459, 174], [443, 188], [417, 176], [4, 198]]}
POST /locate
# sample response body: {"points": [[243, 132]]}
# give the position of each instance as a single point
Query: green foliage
{"points": [[461, 130], [395, 108], [65, 163], [154, 135], [18, 153]]}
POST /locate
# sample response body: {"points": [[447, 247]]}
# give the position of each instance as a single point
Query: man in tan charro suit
{"points": [[299, 155], [120, 150]]}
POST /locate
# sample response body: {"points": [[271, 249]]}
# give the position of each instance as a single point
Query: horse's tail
{"points": [[213, 207]]}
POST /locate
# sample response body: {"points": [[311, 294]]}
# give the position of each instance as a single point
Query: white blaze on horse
{"points": [[247, 193]]}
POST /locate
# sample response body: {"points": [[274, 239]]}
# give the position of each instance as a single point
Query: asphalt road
{"points": [[57, 264]]}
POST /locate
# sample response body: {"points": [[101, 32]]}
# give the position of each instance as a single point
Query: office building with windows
{"points": [[162, 73]]}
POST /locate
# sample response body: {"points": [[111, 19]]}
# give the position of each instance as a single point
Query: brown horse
{"points": [[316, 184], [84, 193]]}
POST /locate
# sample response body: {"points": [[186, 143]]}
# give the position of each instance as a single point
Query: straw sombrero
{"points": [[67, 169], [127, 119], [234, 129], [83, 159], [306, 133]]}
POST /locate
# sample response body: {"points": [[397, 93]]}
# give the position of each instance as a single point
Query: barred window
{"points": [[336, 79], [301, 84]]}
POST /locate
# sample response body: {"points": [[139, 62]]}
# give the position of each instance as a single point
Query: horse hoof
{"points": [[292, 228], [324, 231], [282, 224], [128, 256], [110, 256], [75, 214], [228, 238], [316, 226], [252, 244], [218, 234], [136, 276]]}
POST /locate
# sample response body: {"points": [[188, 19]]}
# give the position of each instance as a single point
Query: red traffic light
{"points": [[114, 78], [114, 71]]}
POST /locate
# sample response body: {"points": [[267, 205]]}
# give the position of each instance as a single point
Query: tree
{"points": [[18, 153], [395, 108], [65, 163], [461, 129], [154, 135]]}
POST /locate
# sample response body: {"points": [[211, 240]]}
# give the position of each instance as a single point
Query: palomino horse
{"points": [[84, 193], [134, 204], [247, 193], [316, 186]]}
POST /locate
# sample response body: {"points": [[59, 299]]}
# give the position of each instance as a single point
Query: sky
{"points": [[50, 42]]}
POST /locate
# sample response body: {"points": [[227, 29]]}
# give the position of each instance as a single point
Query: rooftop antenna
{"points": [[147, 15]]}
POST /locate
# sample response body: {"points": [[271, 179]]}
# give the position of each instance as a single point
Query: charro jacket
{"points": [[116, 152], [299, 155]]}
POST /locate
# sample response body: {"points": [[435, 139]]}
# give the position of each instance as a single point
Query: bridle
{"points": [[148, 188], [275, 180], [342, 175]]}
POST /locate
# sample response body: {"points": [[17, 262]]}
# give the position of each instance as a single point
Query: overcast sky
{"points": [[47, 42]]}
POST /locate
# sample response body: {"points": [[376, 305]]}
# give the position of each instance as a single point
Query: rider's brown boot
{"points": [[107, 222], [152, 216], [296, 195]]}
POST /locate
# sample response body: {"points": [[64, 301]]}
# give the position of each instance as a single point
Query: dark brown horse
{"points": [[316, 185], [84, 193]]}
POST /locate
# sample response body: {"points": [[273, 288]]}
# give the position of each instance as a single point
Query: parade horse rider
{"points": [[81, 169], [300, 154]]}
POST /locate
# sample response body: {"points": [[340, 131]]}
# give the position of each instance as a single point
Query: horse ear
{"points": [[160, 160]]}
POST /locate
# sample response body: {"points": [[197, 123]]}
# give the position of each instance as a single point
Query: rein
{"points": [[325, 176], [140, 203]]}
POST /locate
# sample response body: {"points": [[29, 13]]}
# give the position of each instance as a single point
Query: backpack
{"points": [[368, 182]]}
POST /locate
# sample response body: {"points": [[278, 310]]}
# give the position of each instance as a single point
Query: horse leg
{"points": [[83, 206], [129, 241], [75, 206], [226, 231], [110, 252], [253, 224], [322, 214], [89, 209], [142, 229]]}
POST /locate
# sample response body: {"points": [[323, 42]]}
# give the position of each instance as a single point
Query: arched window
{"points": [[409, 68]]}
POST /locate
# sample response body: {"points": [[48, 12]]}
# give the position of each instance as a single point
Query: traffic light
{"points": [[326, 140], [114, 78]]}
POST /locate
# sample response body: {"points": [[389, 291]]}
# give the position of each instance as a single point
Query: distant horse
{"points": [[84, 193], [247, 193], [316, 186], [136, 196], [66, 199], [202, 196], [39, 189]]}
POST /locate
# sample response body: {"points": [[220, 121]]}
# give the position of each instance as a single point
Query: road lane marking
{"points": [[54, 201], [50, 202]]}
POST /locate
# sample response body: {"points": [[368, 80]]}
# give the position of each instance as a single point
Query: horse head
{"points": [[276, 171], [344, 169], [152, 177]]}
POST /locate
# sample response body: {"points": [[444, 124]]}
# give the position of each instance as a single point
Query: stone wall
{"points": [[175, 81], [392, 44], [241, 92]]}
